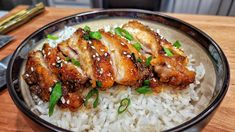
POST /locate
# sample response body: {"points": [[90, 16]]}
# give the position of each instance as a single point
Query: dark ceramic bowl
{"points": [[195, 42]]}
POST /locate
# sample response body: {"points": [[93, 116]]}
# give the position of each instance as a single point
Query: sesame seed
{"points": [[93, 56], [96, 54], [92, 47], [109, 74], [27, 75], [53, 64], [110, 62], [62, 99], [67, 101], [105, 54], [89, 42], [112, 50], [55, 81], [57, 58], [122, 44], [84, 47], [98, 59], [49, 53], [43, 51], [50, 89], [111, 78], [102, 50], [129, 56], [32, 69], [124, 52], [154, 80], [65, 62]]}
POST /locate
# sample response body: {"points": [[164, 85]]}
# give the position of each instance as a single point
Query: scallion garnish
{"points": [[54, 97], [91, 93], [99, 84], [75, 62], [144, 90], [67, 59], [139, 60], [137, 46], [95, 35], [49, 36], [146, 82], [86, 28], [177, 44], [122, 32], [167, 51], [86, 36], [123, 105], [148, 60]]}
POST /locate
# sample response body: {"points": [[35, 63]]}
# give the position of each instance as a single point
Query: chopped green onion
{"points": [[137, 46], [123, 105], [144, 90], [86, 28], [49, 36], [177, 44], [95, 35], [90, 94], [67, 59], [122, 32], [86, 36], [54, 97], [168, 52], [148, 60], [146, 82], [139, 60], [75, 62], [99, 84]]}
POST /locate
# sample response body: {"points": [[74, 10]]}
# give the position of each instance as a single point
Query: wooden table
{"points": [[221, 29]]}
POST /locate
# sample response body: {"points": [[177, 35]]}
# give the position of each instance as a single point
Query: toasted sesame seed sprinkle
{"points": [[112, 50], [122, 44], [92, 47], [53, 64], [102, 50], [96, 54], [109, 74], [154, 80], [57, 58], [32, 69], [68, 101], [129, 56], [49, 53], [50, 89], [93, 56], [124, 52], [105, 54], [89, 42], [62, 99], [98, 59], [84, 47], [27, 75]]}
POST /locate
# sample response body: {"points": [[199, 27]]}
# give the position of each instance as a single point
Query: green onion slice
{"points": [[91, 94], [148, 60], [122, 32], [177, 44], [75, 62], [123, 105], [146, 82], [86, 36], [49, 36], [86, 28], [67, 59], [167, 51], [95, 35], [137, 46], [144, 90], [99, 84], [54, 97], [139, 60]]}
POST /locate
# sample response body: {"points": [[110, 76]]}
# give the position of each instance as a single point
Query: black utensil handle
{"points": [[2, 77]]}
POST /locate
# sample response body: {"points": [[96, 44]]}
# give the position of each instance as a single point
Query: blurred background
{"points": [[209, 7]]}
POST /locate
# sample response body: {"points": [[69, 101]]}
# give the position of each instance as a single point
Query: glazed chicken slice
{"points": [[172, 72], [148, 39], [65, 70], [103, 70], [125, 70], [39, 76]]}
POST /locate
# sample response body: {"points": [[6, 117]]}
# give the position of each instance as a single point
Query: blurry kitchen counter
{"points": [[221, 29]]}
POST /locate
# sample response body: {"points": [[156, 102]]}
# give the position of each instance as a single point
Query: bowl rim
{"points": [[195, 120]]}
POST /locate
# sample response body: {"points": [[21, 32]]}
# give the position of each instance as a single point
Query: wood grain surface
{"points": [[221, 29]]}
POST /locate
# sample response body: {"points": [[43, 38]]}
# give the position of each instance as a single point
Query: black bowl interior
{"points": [[210, 47]]}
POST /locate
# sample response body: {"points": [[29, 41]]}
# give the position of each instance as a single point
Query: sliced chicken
{"points": [[143, 34], [65, 70], [39, 76], [125, 70]]}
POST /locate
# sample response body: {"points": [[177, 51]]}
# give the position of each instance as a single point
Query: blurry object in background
{"points": [[10, 4], [153, 5], [70, 3], [209, 7]]}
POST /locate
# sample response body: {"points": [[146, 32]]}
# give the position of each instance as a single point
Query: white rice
{"points": [[153, 112]]}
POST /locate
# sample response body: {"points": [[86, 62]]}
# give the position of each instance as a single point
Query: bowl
{"points": [[200, 45]]}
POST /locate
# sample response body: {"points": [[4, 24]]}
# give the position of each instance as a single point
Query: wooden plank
{"points": [[221, 29]]}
